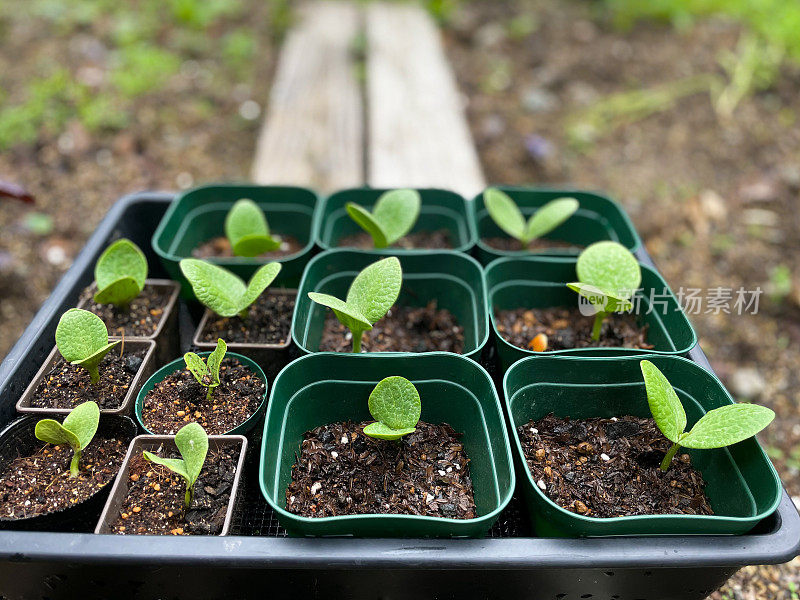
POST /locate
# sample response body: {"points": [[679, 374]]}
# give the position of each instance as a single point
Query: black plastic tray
{"points": [[259, 559]]}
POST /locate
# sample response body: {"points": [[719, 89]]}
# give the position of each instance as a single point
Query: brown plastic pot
{"points": [[155, 444], [125, 408], [270, 357], [166, 334]]}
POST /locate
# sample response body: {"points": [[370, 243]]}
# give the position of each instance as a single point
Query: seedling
{"points": [[192, 443], [370, 296], [396, 408], [247, 230], [120, 273], [82, 339], [608, 276], [716, 429], [77, 431], [222, 291], [207, 372], [508, 217], [393, 216]]}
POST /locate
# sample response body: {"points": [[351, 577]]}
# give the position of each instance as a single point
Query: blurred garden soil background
{"points": [[686, 111], [101, 98]]}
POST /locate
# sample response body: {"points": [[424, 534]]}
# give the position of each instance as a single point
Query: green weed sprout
{"points": [[77, 431], [207, 372], [372, 293], [508, 217], [247, 230], [396, 408], [392, 217], [82, 339], [192, 443], [718, 428], [120, 273], [222, 291], [608, 276]]}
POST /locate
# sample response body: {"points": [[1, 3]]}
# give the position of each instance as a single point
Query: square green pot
{"points": [[540, 282], [597, 218], [178, 365], [741, 483], [199, 214], [327, 388], [440, 209], [453, 279]]}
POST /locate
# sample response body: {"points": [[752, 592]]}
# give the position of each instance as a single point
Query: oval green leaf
{"points": [[548, 217], [347, 315], [247, 230], [376, 288], [382, 431], [192, 442], [727, 425], [664, 402], [176, 465], [119, 292], [395, 402], [83, 421], [610, 267], [80, 334], [122, 259], [52, 432], [215, 287], [505, 213], [260, 280], [368, 223], [396, 211]]}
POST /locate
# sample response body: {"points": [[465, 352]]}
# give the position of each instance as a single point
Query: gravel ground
{"points": [[714, 198]]}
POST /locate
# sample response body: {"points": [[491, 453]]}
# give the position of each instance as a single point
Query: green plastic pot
{"points": [[742, 485], [440, 209], [199, 214], [539, 282], [597, 218], [453, 279], [178, 365], [327, 388]]}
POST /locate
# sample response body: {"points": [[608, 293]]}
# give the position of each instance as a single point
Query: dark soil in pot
{"points": [[567, 328], [508, 244], [66, 385], [142, 316], [154, 504], [610, 467], [220, 247], [428, 240], [403, 329], [340, 471], [269, 321], [179, 399], [40, 483]]}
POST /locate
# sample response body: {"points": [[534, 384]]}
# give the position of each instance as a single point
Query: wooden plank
{"points": [[313, 131], [418, 134]]}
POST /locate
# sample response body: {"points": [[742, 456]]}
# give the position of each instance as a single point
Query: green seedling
{"points": [[371, 295], [396, 408], [77, 431], [120, 273], [608, 276], [192, 443], [207, 372], [718, 428], [222, 291], [82, 339], [392, 217], [247, 230], [508, 217]]}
